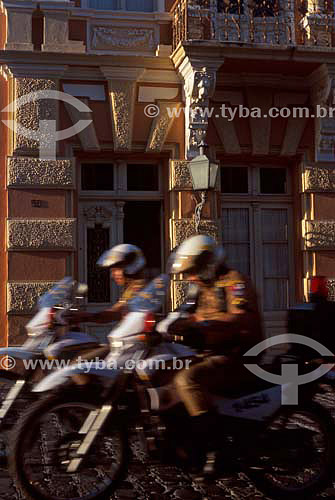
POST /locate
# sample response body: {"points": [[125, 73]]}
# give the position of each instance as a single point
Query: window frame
{"points": [[254, 181], [159, 6], [120, 182], [89, 192], [249, 179], [288, 180]]}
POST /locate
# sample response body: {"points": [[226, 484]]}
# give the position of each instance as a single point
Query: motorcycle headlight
{"points": [[117, 344]]}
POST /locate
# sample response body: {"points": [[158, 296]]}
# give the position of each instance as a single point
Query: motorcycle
{"points": [[75, 442], [47, 340]]}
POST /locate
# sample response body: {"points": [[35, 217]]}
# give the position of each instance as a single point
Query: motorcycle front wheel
{"points": [[45, 441], [296, 459]]}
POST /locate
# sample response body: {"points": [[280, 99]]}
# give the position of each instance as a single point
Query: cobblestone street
{"points": [[156, 481]]}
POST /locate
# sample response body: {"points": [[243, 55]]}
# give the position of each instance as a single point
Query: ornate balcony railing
{"points": [[269, 22]]}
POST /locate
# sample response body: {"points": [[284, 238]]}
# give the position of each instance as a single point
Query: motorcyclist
{"points": [[225, 324], [127, 264]]}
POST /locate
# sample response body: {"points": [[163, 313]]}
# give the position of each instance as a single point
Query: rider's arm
{"points": [[115, 313], [240, 319]]}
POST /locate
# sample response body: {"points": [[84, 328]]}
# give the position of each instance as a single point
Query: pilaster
{"points": [[182, 223], [318, 224]]}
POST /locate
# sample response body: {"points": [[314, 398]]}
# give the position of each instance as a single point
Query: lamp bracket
{"points": [[199, 205]]}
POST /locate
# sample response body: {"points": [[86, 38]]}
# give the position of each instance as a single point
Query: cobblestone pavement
{"points": [[148, 481]]}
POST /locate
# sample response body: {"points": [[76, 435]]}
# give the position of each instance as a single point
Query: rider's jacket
{"points": [[228, 310], [131, 288]]}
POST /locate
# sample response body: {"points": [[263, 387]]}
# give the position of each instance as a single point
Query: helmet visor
{"points": [[110, 259], [182, 264]]}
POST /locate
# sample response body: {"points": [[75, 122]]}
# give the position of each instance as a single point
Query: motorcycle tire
{"points": [[261, 479], [25, 434], [11, 410]]}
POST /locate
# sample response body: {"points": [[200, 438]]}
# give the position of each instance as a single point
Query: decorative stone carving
{"points": [[180, 177], [22, 297], [161, 126], [331, 289], [199, 86], [318, 29], [29, 115], [102, 213], [41, 234], [202, 89], [321, 85], [319, 179], [322, 93], [122, 38], [179, 292], [320, 234], [25, 171], [185, 228], [122, 101]]}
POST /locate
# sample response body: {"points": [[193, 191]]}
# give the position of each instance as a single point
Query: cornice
{"points": [[45, 59], [36, 71], [211, 49]]}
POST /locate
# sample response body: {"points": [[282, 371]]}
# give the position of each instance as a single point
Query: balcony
{"points": [[255, 22]]}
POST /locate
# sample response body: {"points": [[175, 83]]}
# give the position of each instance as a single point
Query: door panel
{"points": [[236, 237], [256, 240]]}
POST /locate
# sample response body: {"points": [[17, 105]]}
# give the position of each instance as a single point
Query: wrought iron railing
{"points": [[270, 22]]}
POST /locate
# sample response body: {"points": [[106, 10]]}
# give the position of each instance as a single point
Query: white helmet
{"points": [[129, 257], [199, 254]]}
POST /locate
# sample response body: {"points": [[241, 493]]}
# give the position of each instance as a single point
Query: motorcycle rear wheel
{"points": [[305, 451], [43, 442]]}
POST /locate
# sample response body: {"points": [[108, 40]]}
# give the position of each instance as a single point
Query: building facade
{"points": [[141, 76]]}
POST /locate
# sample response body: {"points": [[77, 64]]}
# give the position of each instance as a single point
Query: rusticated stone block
{"points": [[22, 297], [320, 234], [30, 114], [185, 228], [180, 177], [41, 234], [25, 171], [331, 289], [319, 179]]}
